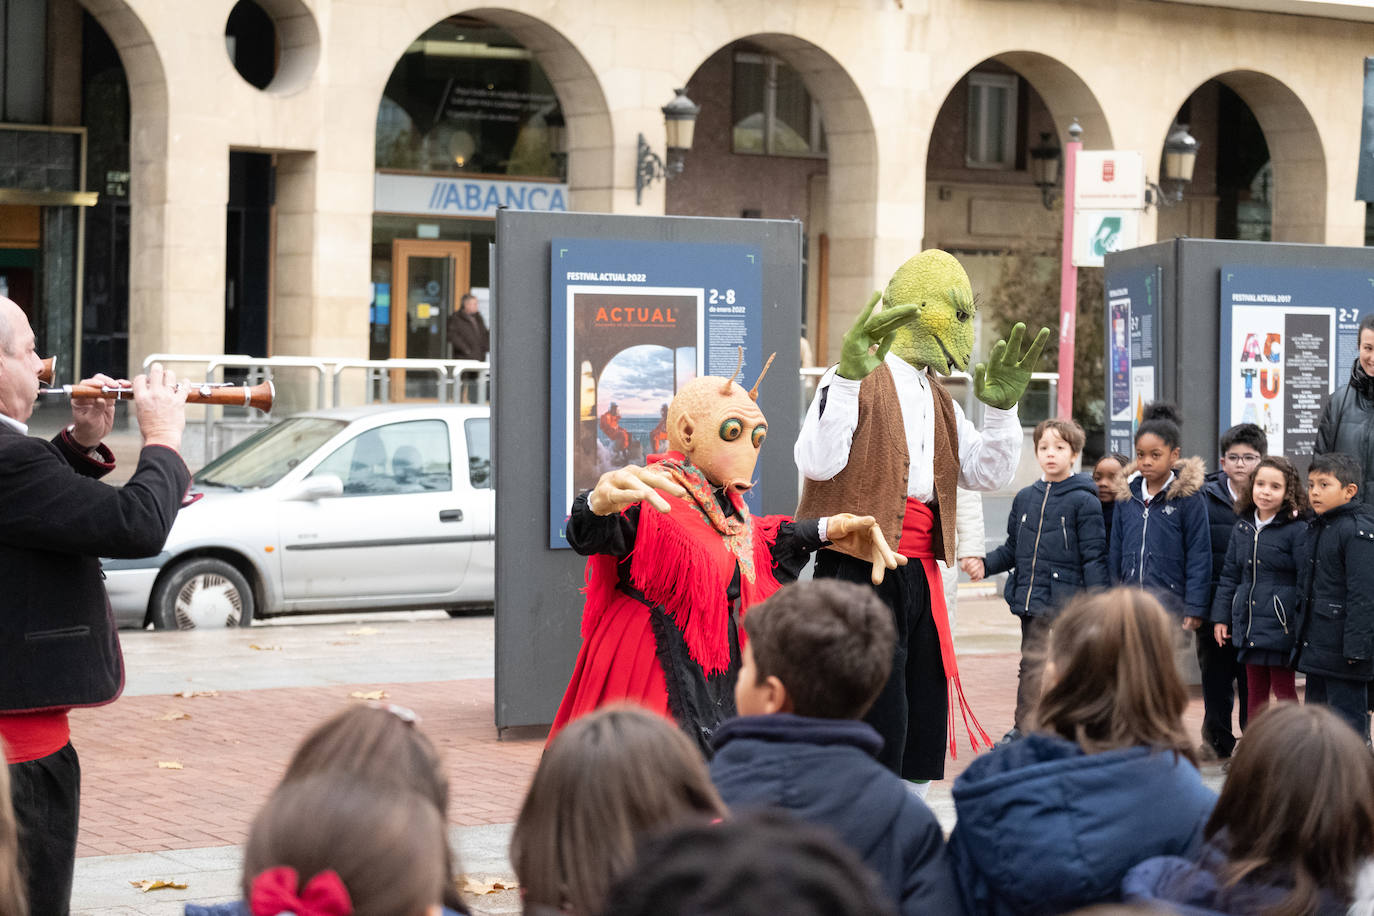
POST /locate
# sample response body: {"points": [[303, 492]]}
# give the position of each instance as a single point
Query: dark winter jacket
{"points": [[1347, 425], [1197, 887], [1165, 547], [1044, 827], [1336, 595], [1056, 544], [824, 772], [1258, 594], [468, 335], [1221, 521]]}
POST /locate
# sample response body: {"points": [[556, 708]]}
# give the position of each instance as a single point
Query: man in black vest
{"points": [[58, 645]]}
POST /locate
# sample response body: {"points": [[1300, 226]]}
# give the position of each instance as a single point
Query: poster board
{"points": [[632, 322], [1132, 348], [1288, 338]]}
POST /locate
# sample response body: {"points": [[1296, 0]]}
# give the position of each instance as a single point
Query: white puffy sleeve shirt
{"points": [[987, 459]]}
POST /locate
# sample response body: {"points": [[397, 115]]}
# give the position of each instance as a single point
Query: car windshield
{"points": [[266, 457]]}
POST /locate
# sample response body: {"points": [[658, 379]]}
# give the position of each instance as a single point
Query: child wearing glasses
{"points": [[1223, 674]]}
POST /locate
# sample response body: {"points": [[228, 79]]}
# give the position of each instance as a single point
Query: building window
{"points": [[774, 115], [991, 121]]}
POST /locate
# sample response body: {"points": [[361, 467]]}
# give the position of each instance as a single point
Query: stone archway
{"points": [[1295, 149]]}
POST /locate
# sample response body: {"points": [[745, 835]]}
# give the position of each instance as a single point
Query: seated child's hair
{"points": [[829, 642], [765, 864], [609, 777], [1068, 430], [1298, 807], [12, 887], [1244, 434], [379, 744], [1114, 683], [328, 837], [1162, 419], [1339, 465], [1294, 496]]}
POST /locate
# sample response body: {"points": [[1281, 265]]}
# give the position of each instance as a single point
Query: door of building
{"points": [[428, 279]]}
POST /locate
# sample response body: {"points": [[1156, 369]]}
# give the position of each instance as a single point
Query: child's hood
{"points": [[1190, 475]]}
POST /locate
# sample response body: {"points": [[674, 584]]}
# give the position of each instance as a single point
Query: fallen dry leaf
{"points": [[255, 646], [343, 642], [173, 716], [368, 694], [188, 694], [475, 888], [169, 765], [149, 884], [362, 631]]}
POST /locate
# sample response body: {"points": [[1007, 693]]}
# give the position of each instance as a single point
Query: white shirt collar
{"points": [[12, 422], [899, 365], [1145, 493]]}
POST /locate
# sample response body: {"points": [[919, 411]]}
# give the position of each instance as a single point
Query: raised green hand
{"points": [[856, 362], [1002, 380]]}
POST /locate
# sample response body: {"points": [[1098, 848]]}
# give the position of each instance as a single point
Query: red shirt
{"points": [[31, 735]]}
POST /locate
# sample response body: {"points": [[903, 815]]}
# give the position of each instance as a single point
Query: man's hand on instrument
{"points": [[93, 418], [631, 484], [860, 536], [160, 404]]}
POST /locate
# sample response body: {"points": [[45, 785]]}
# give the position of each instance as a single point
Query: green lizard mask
{"points": [[927, 320]]}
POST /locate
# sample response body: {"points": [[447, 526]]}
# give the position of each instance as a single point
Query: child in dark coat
{"points": [[1257, 598], [1336, 584], [1160, 537], [817, 654], [1056, 544]]}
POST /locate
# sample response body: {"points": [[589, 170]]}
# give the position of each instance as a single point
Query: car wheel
{"points": [[200, 594]]}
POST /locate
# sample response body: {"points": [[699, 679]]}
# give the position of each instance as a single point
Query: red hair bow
{"points": [[274, 893]]}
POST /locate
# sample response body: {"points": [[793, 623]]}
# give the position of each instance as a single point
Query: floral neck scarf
{"points": [[735, 529]]}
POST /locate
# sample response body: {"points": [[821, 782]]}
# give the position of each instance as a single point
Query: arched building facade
{"points": [[266, 141]]}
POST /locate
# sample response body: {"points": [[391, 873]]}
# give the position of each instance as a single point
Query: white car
{"points": [[344, 509]]}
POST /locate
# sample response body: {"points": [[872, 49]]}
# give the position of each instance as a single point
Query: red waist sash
{"points": [[916, 543]]}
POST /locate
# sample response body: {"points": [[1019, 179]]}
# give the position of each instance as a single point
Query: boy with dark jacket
{"points": [[1241, 449], [1056, 545], [1336, 593], [817, 655]]}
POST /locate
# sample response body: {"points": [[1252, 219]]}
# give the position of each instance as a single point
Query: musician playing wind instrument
{"points": [[58, 646], [676, 560]]}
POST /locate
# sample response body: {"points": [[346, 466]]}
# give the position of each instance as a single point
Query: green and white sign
{"points": [[1098, 232]]}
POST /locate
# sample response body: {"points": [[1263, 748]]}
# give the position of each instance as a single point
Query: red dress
{"points": [[658, 626]]}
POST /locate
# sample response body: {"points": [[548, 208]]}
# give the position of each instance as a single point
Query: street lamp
{"points": [[1046, 167], [680, 118], [1180, 156]]}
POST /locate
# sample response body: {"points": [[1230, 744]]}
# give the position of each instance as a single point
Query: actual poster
{"points": [[632, 323], [1289, 337], [1132, 302]]}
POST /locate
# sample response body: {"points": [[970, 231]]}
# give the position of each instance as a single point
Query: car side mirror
{"points": [[312, 488]]}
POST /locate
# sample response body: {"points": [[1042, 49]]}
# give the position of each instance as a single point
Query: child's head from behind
{"points": [[1106, 474], [1157, 442], [821, 648], [1273, 488], [1058, 443], [608, 778], [383, 847], [1333, 480], [762, 864], [1298, 805], [1110, 680]]}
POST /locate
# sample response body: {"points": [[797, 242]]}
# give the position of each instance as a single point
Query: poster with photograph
{"points": [[632, 323], [1288, 339], [1132, 301]]}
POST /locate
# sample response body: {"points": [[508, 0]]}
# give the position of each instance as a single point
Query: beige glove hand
{"points": [[617, 490], [860, 536]]}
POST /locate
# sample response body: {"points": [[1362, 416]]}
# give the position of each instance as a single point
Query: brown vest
{"points": [[874, 482]]}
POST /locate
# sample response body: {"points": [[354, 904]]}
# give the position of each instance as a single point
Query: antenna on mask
{"points": [[725, 389], [754, 392]]}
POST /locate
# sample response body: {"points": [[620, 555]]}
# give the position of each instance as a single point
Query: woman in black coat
{"points": [[1257, 597], [1347, 423]]}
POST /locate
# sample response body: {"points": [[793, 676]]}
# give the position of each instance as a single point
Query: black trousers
{"points": [[1035, 638], [912, 712], [47, 801], [1223, 680], [1347, 698]]}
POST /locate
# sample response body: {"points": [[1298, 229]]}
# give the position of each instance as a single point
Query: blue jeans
{"points": [[1347, 698]]}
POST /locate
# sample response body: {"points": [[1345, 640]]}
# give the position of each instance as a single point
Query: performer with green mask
{"points": [[883, 437]]}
